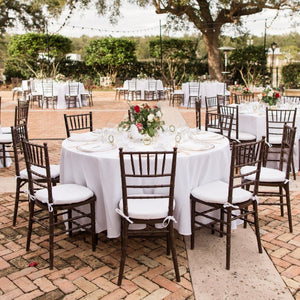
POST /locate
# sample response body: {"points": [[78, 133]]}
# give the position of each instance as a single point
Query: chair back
{"points": [[21, 112], [240, 98], [148, 175], [38, 168], [73, 88], [225, 125], [234, 111], [132, 85], [80, 122], [198, 112], [223, 100], [152, 85], [287, 149], [275, 120], [245, 154], [194, 89], [18, 133], [290, 99], [47, 86]]}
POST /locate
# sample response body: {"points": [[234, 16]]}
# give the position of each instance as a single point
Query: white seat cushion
{"points": [[153, 208], [65, 194], [243, 136], [5, 138], [177, 92], [217, 192], [266, 174], [275, 140], [5, 130], [54, 171]]}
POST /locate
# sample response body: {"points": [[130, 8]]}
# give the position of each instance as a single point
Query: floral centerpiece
{"points": [[142, 76], [269, 96], [60, 77], [246, 91], [147, 119]]}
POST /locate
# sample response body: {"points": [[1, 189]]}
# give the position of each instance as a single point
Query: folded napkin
{"points": [[99, 147], [190, 146], [201, 136], [82, 137]]}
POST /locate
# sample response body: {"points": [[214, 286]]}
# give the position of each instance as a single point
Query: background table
{"points": [[100, 171], [142, 85], [60, 88], [207, 89]]}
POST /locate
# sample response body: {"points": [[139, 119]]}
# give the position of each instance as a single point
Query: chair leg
{"points": [[293, 169], [281, 201], [124, 238], [256, 224], [228, 239], [93, 228], [192, 240], [168, 243], [30, 222], [51, 238], [288, 204], [173, 249], [17, 198], [222, 222], [70, 222]]}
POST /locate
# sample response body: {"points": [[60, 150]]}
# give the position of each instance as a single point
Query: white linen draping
{"points": [[60, 88], [142, 85], [207, 89], [100, 171]]}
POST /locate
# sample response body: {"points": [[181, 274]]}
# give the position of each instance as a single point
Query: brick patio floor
{"points": [[80, 273]]}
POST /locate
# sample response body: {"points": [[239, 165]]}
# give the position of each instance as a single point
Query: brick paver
{"points": [[80, 273]]}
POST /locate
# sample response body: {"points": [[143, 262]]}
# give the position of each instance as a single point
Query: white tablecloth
{"points": [[100, 171], [207, 89], [60, 88], [8, 159], [142, 85], [252, 119]]}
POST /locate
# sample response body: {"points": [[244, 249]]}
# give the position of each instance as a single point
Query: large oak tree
{"points": [[208, 16]]}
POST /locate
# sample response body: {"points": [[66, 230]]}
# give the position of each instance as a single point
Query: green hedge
{"points": [[291, 76]]}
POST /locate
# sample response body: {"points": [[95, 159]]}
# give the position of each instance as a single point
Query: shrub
{"points": [[291, 76]]}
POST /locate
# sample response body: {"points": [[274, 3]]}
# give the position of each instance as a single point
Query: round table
{"points": [[100, 170]]}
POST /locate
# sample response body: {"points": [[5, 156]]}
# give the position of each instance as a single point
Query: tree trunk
{"points": [[211, 40]]}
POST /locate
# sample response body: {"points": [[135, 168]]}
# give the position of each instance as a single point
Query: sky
{"points": [[137, 21]]}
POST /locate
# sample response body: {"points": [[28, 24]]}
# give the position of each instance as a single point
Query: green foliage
{"points": [[108, 55], [24, 54], [291, 76], [247, 64]]}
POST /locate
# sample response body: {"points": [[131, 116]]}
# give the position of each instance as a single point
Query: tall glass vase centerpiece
{"points": [[269, 96], [147, 119]]}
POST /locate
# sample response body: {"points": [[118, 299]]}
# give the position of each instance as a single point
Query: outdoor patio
{"points": [[80, 273]]}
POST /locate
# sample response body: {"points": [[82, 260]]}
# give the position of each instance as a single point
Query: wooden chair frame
{"points": [[242, 155], [142, 167], [78, 122], [286, 157], [37, 155]]}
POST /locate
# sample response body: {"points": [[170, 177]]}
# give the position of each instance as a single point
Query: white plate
{"points": [[96, 147], [195, 147], [206, 136], [82, 137]]}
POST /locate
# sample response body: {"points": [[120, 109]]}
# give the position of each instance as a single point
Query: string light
{"points": [[152, 28]]}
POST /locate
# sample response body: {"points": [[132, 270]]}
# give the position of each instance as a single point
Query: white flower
{"points": [[150, 117], [270, 94], [259, 96], [158, 114]]}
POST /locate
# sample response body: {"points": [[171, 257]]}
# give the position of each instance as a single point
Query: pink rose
{"points": [[139, 126]]}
